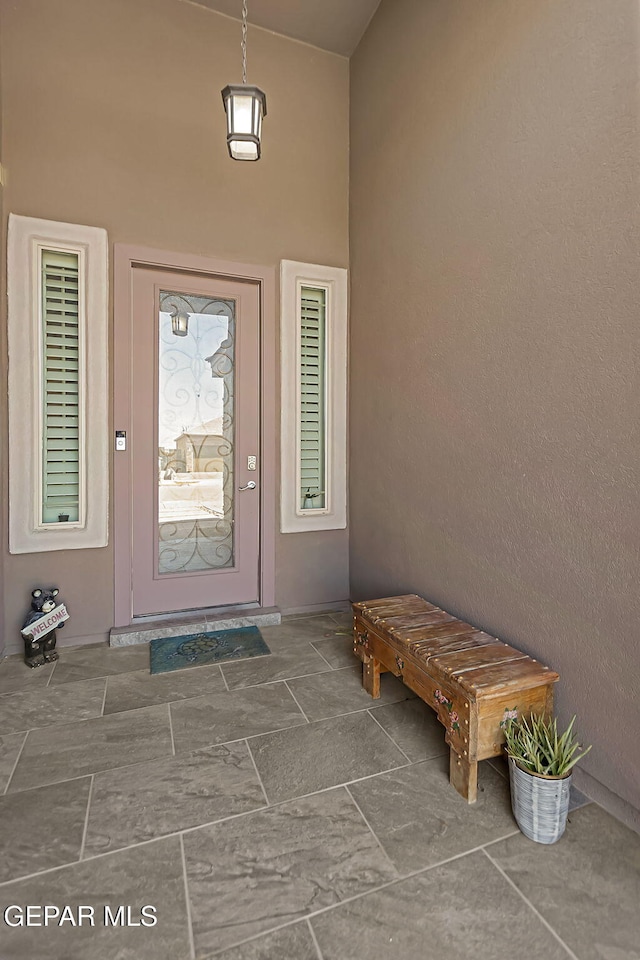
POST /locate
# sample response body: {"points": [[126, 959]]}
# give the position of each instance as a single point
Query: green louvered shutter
{"points": [[313, 398], [61, 369]]}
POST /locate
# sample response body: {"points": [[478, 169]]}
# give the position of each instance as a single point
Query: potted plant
{"points": [[541, 761]]}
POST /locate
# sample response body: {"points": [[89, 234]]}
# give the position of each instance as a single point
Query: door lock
{"points": [[251, 463]]}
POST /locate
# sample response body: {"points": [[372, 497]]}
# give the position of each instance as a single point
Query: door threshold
{"points": [[149, 628]]}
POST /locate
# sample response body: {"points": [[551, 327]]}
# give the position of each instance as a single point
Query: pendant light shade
{"points": [[245, 107]]}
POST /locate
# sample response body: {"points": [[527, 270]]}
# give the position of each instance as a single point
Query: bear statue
{"points": [[40, 641]]}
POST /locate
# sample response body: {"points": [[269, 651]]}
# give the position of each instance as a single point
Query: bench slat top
{"points": [[397, 623], [457, 662], [494, 680], [429, 647], [483, 665], [387, 606]]}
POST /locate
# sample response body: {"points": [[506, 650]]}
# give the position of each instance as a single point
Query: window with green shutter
{"points": [[58, 295], [313, 404], [313, 344], [60, 387]]}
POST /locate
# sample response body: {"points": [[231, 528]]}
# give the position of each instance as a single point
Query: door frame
{"points": [[126, 258]]}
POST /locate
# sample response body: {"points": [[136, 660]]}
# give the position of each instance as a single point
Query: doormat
{"points": [[198, 649]]}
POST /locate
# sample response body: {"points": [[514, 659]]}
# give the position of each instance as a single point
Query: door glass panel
{"points": [[195, 433]]}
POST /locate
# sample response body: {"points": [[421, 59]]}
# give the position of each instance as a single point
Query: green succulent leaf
{"points": [[536, 745]]}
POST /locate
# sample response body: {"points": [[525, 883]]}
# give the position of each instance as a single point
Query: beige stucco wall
{"points": [[3, 350], [495, 277], [113, 117]]}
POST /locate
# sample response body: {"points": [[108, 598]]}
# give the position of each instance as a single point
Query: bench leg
{"points": [[463, 775], [371, 677]]}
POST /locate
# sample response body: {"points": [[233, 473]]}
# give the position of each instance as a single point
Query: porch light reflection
{"points": [[180, 324]]}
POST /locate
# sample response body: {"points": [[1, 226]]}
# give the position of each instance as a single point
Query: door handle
{"points": [[249, 486]]}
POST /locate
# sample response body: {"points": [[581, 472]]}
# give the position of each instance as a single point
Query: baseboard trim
{"points": [[61, 641], [337, 606], [615, 805]]}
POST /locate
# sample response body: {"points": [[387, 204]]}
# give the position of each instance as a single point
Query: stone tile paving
{"points": [[268, 810]]}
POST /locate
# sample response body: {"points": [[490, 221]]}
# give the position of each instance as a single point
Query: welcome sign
{"points": [[49, 621]]}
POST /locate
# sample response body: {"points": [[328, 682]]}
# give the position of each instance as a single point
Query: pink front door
{"points": [[195, 441]]}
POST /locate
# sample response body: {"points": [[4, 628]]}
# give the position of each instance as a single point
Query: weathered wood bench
{"points": [[473, 681]]}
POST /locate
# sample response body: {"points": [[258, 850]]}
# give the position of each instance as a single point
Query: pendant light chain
{"points": [[244, 41]]}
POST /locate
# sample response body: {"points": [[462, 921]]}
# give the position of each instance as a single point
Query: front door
{"points": [[195, 441]]}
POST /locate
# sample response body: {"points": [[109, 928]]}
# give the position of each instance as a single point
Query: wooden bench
{"points": [[473, 681]]}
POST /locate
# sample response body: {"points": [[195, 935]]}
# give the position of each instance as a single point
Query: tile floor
{"points": [[269, 810]]}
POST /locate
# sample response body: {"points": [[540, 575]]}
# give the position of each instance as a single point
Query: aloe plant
{"points": [[537, 747]]}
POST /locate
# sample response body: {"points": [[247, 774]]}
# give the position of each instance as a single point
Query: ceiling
{"points": [[335, 25]]}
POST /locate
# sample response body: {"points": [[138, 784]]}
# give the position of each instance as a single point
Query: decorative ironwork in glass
{"points": [[195, 433]]}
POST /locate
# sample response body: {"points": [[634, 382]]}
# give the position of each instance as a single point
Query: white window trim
{"points": [[293, 276], [27, 237]]}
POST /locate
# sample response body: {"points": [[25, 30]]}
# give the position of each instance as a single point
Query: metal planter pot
{"points": [[540, 804]]}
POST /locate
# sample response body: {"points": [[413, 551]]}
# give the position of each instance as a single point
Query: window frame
{"points": [[27, 238], [293, 277]]}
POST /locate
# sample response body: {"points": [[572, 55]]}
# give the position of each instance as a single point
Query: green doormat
{"points": [[197, 649]]}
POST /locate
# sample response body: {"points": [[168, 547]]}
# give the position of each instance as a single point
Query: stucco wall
{"points": [[113, 117], [3, 412], [495, 340]]}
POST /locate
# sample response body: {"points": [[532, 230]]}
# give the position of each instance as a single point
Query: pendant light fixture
{"points": [[245, 107]]}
